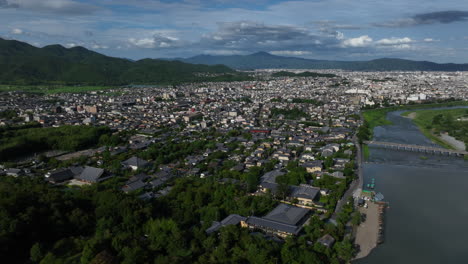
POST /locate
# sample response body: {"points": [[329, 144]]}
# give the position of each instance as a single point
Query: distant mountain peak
{"points": [[265, 60]]}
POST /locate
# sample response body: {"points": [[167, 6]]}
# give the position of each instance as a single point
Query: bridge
{"points": [[416, 148]]}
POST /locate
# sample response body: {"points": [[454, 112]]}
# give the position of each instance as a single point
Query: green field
{"points": [[433, 122], [366, 152], [378, 117]]}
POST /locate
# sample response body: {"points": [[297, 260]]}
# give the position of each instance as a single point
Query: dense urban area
{"points": [[259, 171]]}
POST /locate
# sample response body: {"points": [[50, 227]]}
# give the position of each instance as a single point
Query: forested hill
{"points": [[21, 63], [264, 60]]}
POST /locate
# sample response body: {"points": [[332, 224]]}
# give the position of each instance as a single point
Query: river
{"points": [[427, 215]]}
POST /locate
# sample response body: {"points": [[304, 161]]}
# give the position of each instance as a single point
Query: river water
{"points": [[428, 212]]}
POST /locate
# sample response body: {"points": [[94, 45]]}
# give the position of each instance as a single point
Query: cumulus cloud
{"points": [[223, 52], [253, 36], [442, 17], [291, 52], [155, 41], [66, 7], [394, 41], [362, 41], [17, 31], [99, 46], [236, 33]]}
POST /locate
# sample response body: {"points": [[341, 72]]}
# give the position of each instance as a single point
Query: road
{"points": [[356, 185]]}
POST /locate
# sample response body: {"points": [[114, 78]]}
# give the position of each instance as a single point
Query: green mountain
{"points": [[21, 63], [264, 60]]}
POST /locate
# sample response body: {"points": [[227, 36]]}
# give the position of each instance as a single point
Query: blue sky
{"points": [[431, 30]]}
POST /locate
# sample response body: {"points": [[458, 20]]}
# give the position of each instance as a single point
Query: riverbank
{"points": [[378, 117], [424, 120], [367, 234]]}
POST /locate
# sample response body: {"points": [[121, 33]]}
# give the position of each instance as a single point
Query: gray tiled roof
{"points": [[91, 174], [312, 164], [287, 214], [232, 219], [271, 176], [60, 175], [304, 191], [326, 240], [268, 224], [131, 186], [135, 161]]}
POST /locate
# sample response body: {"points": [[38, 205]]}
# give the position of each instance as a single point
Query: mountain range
{"points": [[21, 63], [264, 60]]}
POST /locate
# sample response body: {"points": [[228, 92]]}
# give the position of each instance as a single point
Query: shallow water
{"points": [[428, 214]]}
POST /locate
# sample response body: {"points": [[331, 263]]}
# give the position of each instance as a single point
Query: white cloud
{"points": [[291, 52], [97, 46], [147, 43], [155, 41], [17, 31], [223, 52], [394, 41], [402, 46], [362, 41]]}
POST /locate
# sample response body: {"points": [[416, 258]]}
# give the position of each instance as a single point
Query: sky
{"points": [[433, 30]]}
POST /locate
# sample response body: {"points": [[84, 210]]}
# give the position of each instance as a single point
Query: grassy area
{"points": [[378, 117], [365, 151], [53, 89], [427, 122]]}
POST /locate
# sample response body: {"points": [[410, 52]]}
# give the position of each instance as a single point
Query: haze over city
{"points": [[333, 30]]}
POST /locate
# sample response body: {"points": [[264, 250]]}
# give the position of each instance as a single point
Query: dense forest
{"points": [[100, 224], [22, 64], [15, 141]]}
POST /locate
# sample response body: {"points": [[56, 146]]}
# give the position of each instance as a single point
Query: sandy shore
{"points": [[367, 232], [457, 144], [412, 115]]}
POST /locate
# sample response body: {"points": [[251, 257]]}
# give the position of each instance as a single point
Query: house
{"points": [[146, 196], [135, 163], [305, 194], [338, 174], [328, 152], [140, 176], [306, 157], [233, 219], [92, 175], [64, 174], [133, 186], [313, 166], [283, 221], [327, 240], [268, 180], [14, 172]]}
